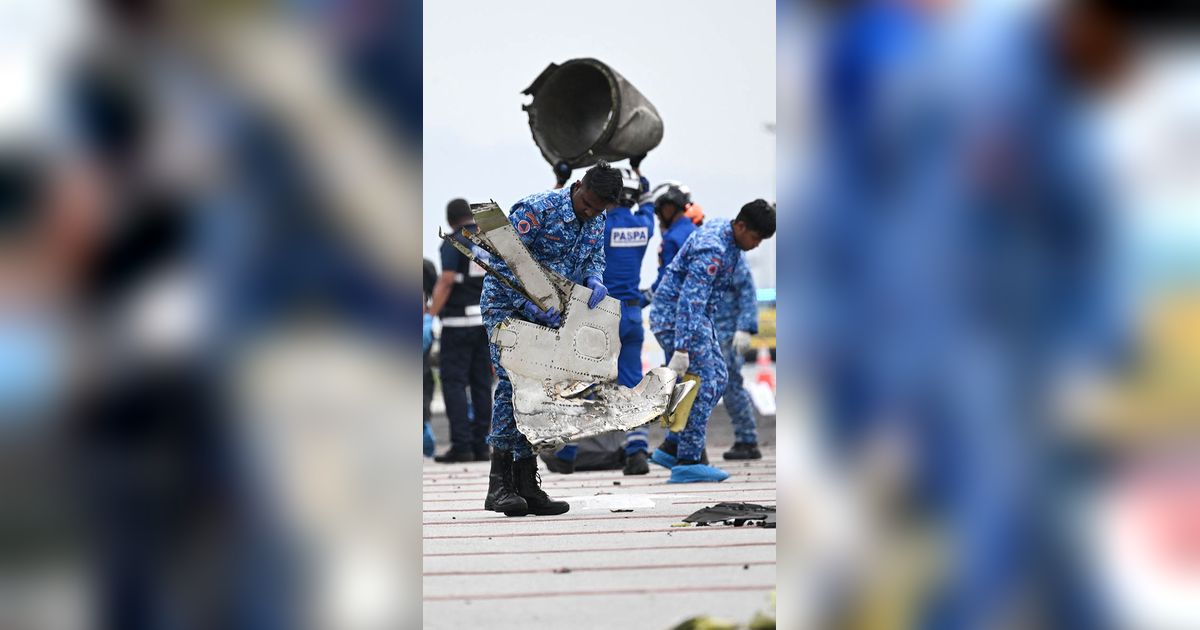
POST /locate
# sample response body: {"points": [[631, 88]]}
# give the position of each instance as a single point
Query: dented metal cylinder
{"points": [[583, 111]]}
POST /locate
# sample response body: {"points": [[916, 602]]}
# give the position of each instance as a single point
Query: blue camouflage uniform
{"points": [[673, 239], [546, 224], [685, 303], [738, 310]]}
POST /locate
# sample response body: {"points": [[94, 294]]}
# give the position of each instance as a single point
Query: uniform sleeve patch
{"points": [[523, 226], [712, 269]]}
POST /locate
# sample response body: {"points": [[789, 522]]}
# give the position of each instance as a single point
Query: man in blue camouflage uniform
{"points": [[627, 232], [736, 319], [685, 303], [563, 230], [671, 207]]}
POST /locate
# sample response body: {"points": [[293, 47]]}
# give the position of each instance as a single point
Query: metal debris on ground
{"points": [[736, 514]]}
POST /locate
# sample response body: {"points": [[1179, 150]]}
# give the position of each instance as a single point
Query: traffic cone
{"points": [[765, 374]]}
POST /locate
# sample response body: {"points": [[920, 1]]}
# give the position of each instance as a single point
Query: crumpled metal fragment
{"points": [[736, 514], [564, 379]]}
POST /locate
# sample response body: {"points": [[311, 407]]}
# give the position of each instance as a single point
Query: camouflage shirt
{"points": [[546, 224], [696, 280]]}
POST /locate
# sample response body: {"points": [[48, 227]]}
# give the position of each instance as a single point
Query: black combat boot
{"points": [[743, 450], [636, 464], [502, 495], [528, 485]]}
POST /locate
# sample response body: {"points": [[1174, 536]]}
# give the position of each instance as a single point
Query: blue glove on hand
{"points": [[550, 317], [429, 443], [598, 291]]}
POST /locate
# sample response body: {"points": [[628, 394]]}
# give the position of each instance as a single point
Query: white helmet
{"points": [[658, 190], [631, 186]]}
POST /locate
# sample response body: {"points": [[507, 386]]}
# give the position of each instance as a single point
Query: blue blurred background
{"points": [[208, 314], [994, 311]]}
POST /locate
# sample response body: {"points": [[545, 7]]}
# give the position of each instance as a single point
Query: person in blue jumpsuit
{"points": [[563, 230], [685, 303], [736, 319], [627, 231], [670, 207]]}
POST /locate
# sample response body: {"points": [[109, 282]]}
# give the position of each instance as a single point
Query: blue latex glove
{"points": [[550, 317], [598, 291], [647, 297], [429, 443]]}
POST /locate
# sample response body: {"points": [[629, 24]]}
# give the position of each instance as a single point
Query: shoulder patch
{"points": [[523, 226], [713, 269]]}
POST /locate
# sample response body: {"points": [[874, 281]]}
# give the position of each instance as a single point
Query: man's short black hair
{"points": [[603, 180], [458, 211], [758, 215]]}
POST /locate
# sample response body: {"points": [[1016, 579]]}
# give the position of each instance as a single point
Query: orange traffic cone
{"points": [[765, 374]]}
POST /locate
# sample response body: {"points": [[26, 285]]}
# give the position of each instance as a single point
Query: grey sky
{"points": [[708, 66]]}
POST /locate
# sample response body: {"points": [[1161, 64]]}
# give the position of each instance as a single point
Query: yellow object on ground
{"points": [[676, 420], [707, 623]]}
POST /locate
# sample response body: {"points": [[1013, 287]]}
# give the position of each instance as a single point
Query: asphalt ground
{"points": [[594, 567]]}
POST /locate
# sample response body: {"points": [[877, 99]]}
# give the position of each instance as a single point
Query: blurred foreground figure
{"points": [[960, 250], [177, 538]]}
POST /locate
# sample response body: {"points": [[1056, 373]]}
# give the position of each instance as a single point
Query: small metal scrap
{"points": [[736, 514]]}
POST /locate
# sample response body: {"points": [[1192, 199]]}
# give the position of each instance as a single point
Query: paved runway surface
{"points": [[593, 567]]}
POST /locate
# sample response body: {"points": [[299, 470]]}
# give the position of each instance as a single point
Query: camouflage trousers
{"points": [[704, 360], [505, 435], [737, 399]]}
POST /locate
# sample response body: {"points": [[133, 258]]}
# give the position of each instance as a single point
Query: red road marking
{"points": [[593, 533], [592, 474], [598, 517], [668, 491], [552, 486], [632, 567], [663, 590], [577, 477], [444, 469], [598, 550]]}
